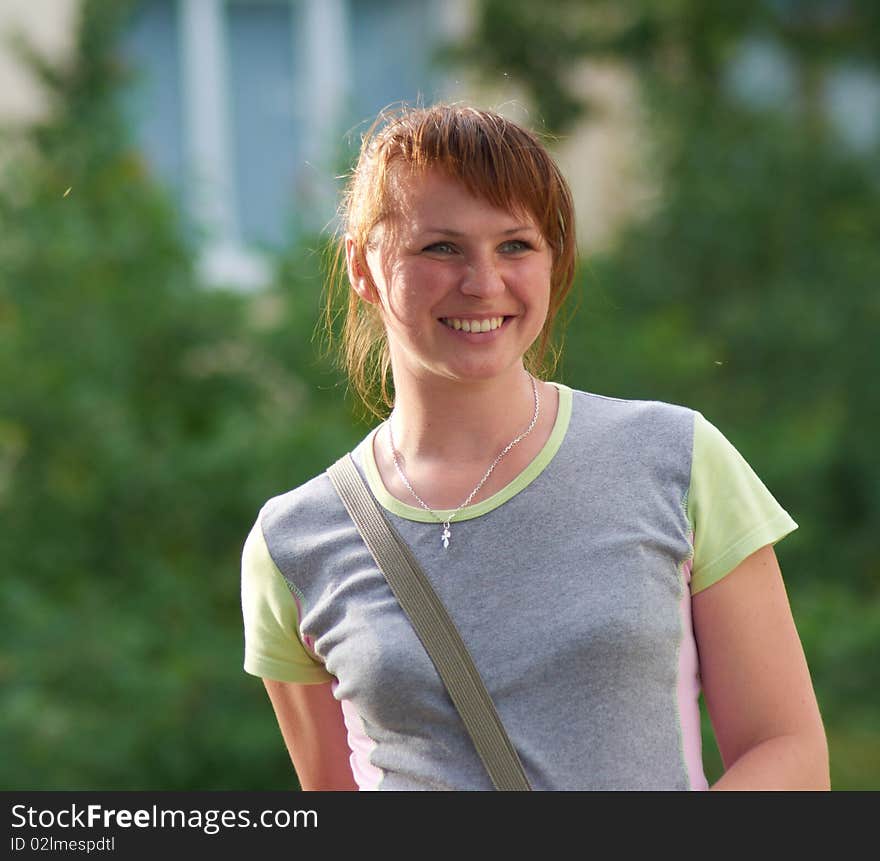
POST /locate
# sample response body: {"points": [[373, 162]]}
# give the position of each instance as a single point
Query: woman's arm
{"points": [[311, 722], [756, 682]]}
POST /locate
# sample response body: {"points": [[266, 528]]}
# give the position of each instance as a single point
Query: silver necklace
{"points": [[446, 535]]}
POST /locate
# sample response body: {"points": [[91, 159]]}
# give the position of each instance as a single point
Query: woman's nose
{"points": [[482, 278]]}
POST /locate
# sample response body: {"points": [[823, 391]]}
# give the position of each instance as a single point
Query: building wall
{"points": [[50, 26]]}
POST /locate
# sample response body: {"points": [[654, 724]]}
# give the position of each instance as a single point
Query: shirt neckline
{"points": [[523, 480]]}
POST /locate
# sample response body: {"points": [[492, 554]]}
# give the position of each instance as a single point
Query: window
{"points": [[154, 105]]}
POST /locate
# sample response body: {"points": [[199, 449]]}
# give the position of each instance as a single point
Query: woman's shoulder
{"points": [[299, 499], [637, 414], [612, 402]]}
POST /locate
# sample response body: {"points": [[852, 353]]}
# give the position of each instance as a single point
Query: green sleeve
{"points": [[730, 510], [273, 648]]}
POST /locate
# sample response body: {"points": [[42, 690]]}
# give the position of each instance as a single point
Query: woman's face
{"points": [[463, 287]]}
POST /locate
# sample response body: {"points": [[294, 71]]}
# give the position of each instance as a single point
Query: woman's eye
{"points": [[440, 248], [516, 245]]}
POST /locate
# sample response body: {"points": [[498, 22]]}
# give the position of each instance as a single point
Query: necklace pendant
{"points": [[446, 534]]}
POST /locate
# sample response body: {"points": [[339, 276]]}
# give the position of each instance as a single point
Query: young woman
{"points": [[603, 559]]}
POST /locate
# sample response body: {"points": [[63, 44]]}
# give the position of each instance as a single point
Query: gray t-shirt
{"points": [[571, 588]]}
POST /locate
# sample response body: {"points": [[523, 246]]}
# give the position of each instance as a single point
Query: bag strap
{"points": [[433, 626]]}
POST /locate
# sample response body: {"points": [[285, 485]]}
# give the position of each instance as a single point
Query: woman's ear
{"points": [[358, 274]]}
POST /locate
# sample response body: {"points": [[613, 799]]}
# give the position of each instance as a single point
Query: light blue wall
{"points": [[266, 119], [392, 42], [153, 102]]}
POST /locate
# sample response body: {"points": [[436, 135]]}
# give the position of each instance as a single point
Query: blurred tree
{"points": [[748, 288], [143, 420]]}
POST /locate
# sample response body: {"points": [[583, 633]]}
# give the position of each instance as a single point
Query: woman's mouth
{"points": [[473, 324]]}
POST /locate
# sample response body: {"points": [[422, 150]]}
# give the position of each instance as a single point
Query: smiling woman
{"points": [[610, 557], [497, 163], [447, 255]]}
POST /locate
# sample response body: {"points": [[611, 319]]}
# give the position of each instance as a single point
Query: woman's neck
{"points": [[461, 422]]}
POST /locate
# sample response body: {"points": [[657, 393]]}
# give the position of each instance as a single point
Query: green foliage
{"points": [[143, 421]]}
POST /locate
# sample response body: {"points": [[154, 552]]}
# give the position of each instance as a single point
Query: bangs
{"points": [[495, 159]]}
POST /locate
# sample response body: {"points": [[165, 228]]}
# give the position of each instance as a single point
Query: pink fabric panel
{"points": [[307, 641], [689, 689], [366, 775]]}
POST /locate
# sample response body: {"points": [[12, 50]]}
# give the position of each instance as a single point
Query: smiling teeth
{"points": [[487, 325]]}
